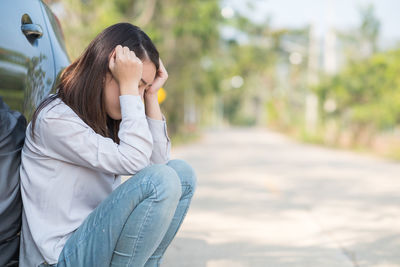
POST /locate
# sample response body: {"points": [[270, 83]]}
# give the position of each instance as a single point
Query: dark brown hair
{"points": [[81, 84]]}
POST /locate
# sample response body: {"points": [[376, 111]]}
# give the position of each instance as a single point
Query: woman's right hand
{"points": [[126, 69]]}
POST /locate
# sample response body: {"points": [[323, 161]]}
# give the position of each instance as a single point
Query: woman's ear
{"points": [[111, 55], [111, 59]]}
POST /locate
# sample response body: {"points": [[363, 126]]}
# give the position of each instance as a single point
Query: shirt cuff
{"points": [[131, 106], [158, 129]]}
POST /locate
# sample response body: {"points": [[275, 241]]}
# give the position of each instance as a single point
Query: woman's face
{"points": [[112, 93]]}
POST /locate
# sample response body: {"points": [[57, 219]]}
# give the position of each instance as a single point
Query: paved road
{"points": [[265, 200]]}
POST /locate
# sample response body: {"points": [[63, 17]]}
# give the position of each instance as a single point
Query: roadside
{"points": [[266, 200]]}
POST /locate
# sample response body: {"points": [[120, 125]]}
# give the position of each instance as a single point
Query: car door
{"points": [[27, 70]]}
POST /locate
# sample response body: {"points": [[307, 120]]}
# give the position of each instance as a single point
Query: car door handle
{"points": [[32, 30]]}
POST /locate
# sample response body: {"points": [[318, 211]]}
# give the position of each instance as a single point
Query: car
{"points": [[32, 57]]}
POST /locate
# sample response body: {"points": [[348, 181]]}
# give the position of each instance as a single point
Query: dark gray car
{"points": [[32, 56]]}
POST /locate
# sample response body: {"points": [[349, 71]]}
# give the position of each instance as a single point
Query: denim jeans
{"points": [[136, 223]]}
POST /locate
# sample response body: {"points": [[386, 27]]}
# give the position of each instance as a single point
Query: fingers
{"points": [[118, 51], [162, 71], [123, 52], [160, 61], [132, 55], [126, 51]]}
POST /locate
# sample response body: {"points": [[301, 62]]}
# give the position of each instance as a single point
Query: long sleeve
{"points": [[67, 138], [162, 143]]}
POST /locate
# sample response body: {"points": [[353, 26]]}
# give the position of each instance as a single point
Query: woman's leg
{"points": [[146, 202], [189, 182]]}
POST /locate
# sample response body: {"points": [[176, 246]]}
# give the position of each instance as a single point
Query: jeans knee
{"points": [[185, 172], [166, 181]]}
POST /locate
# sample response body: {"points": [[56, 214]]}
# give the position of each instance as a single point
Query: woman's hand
{"points": [[159, 81], [126, 68]]}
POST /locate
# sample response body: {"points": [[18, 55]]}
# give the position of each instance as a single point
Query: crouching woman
{"points": [[103, 122]]}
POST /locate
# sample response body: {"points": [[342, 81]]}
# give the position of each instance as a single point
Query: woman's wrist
{"points": [[150, 95], [152, 106], [129, 88]]}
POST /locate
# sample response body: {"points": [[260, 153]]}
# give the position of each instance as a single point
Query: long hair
{"points": [[81, 84]]}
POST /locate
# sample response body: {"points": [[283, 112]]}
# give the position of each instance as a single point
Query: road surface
{"points": [[265, 200]]}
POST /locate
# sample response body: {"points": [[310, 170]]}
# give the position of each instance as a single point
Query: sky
{"points": [[340, 14]]}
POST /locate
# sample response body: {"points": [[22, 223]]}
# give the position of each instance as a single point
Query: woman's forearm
{"points": [[152, 106]]}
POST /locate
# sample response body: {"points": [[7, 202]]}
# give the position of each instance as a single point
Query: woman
{"points": [[103, 122]]}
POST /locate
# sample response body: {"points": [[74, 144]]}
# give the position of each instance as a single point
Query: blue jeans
{"points": [[136, 223]]}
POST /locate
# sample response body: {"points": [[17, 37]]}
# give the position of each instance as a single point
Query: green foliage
{"points": [[367, 92]]}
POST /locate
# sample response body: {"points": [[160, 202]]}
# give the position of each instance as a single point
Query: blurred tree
{"points": [[361, 42], [367, 94], [257, 54], [363, 98]]}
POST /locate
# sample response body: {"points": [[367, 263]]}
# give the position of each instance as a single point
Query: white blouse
{"points": [[68, 169]]}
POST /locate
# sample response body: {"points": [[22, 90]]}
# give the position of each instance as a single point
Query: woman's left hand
{"points": [[161, 78]]}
